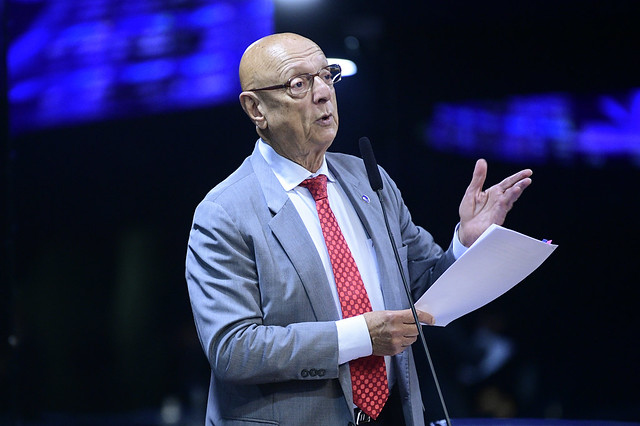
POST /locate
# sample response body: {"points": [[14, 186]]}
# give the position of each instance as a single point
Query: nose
{"points": [[321, 90]]}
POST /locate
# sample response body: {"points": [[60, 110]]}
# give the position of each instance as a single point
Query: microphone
{"points": [[375, 180]]}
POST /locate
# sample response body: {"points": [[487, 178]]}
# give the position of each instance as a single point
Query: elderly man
{"points": [[296, 296]]}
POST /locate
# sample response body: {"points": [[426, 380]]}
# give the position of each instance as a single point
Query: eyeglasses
{"points": [[300, 84]]}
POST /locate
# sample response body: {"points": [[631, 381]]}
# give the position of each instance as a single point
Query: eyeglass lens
{"points": [[303, 83]]}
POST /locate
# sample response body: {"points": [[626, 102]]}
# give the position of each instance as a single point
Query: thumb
{"points": [[426, 318], [479, 176]]}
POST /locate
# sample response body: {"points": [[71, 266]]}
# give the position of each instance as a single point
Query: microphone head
{"points": [[375, 180]]}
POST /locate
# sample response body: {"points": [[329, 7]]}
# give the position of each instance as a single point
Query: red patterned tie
{"points": [[368, 374]]}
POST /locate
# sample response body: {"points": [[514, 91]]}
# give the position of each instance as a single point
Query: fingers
{"points": [[517, 180], [513, 193], [520, 179], [510, 189]]}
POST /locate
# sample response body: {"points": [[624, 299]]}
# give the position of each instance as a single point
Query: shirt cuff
{"points": [[353, 339], [458, 248]]}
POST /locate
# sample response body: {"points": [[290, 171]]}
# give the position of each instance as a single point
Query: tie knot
{"points": [[317, 186]]}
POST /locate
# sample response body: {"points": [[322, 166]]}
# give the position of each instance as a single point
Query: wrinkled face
{"points": [[301, 126]]}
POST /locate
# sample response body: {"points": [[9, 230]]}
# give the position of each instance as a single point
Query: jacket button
{"points": [[313, 372], [304, 373], [322, 372]]}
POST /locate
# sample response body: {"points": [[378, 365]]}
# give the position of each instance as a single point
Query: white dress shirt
{"points": [[353, 335]]}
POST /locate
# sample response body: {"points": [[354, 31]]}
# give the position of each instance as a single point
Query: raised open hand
{"points": [[479, 209]]}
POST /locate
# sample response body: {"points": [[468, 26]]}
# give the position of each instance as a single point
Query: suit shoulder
{"points": [[342, 158], [236, 183], [354, 165], [347, 162]]}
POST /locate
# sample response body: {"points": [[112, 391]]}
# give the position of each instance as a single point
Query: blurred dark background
{"points": [[96, 322]]}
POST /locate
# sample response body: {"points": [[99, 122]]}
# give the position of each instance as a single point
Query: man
{"points": [[266, 289]]}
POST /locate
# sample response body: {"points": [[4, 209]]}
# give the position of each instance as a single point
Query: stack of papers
{"points": [[495, 263]]}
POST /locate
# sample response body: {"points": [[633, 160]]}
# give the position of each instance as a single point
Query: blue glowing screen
{"points": [[541, 128], [73, 61]]}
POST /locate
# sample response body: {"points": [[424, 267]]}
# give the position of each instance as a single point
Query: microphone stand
{"points": [[375, 180], [413, 309]]}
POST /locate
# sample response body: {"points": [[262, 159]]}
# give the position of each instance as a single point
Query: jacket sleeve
{"points": [[225, 292]]}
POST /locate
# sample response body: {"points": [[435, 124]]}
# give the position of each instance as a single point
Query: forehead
{"points": [[296, 57]]}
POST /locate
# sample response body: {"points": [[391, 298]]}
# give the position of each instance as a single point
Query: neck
{"points": [[310, 160], [310, 163]]}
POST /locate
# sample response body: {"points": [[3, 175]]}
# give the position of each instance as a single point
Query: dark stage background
{"points": [[96, 322]]}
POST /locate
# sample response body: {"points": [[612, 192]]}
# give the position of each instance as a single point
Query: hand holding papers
{"points": [[495, 263]]}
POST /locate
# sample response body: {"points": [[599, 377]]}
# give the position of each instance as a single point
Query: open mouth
{"points": [[325, 118]]}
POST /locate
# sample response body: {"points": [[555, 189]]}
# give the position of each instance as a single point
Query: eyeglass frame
{"points": [[312, 79]]}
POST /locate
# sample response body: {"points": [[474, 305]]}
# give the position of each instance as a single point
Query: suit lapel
{"points": [[289, 230]]}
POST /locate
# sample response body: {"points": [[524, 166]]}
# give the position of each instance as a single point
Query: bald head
{"points": [[265, 58], [300, 128]]}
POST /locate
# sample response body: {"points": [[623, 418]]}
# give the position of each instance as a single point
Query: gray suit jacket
{"points": [[262, 303]]}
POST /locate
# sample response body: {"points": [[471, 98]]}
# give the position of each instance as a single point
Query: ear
{"points": [[251, 105]]}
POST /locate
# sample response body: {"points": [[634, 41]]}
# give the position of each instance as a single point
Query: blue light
{"points": [[116, 58], [540, 128], [147, 71]]}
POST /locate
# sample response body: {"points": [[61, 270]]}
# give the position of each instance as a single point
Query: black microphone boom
{"points": [[376, 184], [370, 164]]}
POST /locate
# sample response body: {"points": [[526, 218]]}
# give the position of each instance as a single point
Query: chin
{"points": [[327, 141], [330, 135]]}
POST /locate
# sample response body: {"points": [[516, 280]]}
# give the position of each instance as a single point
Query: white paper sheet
{"points": [[494, 264]]}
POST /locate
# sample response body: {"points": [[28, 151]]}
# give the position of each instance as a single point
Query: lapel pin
{"points": [[366, 199]]}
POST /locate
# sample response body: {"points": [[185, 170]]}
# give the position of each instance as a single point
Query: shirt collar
{"points": [[290, 174]]}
